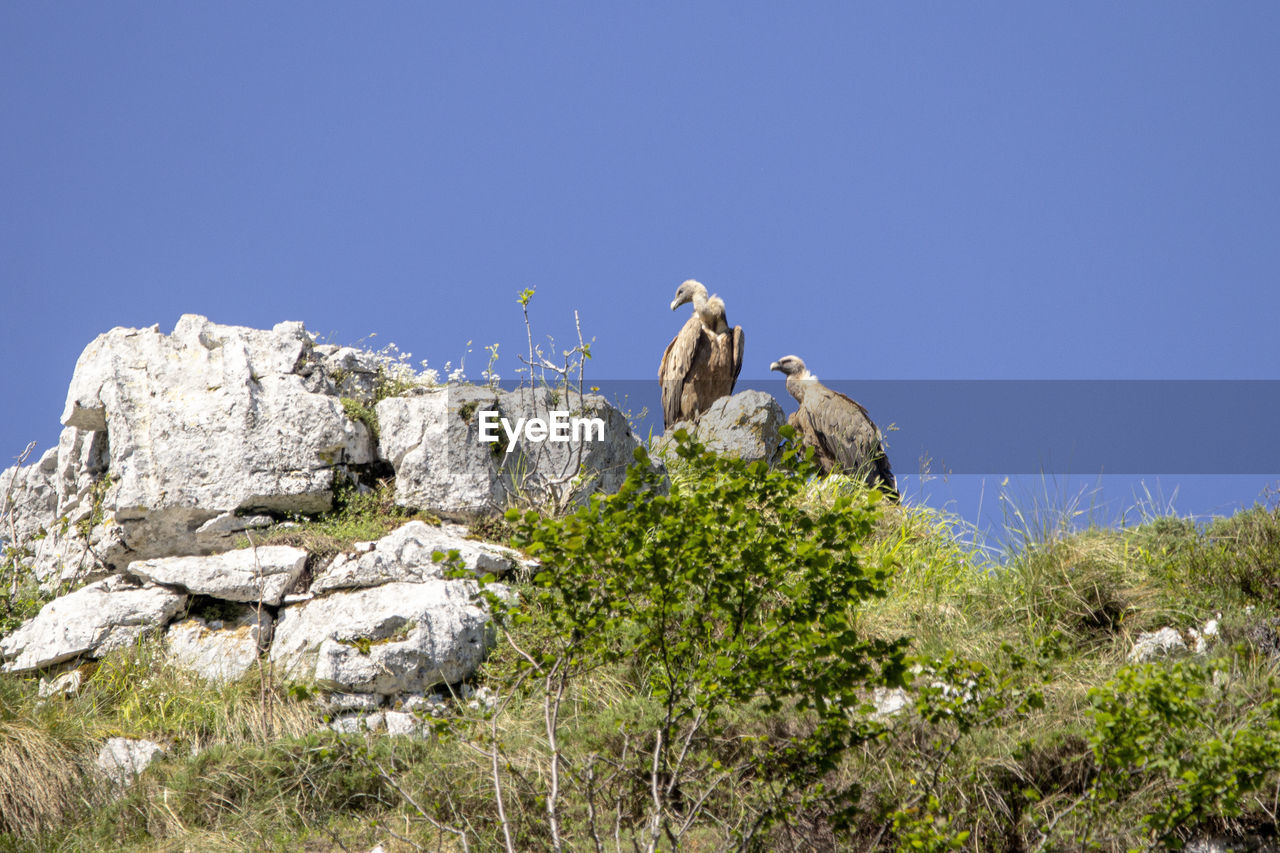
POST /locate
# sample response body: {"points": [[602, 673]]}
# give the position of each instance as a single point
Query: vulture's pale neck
{"points": [[699, 300], [713, 316], [798, 383]]}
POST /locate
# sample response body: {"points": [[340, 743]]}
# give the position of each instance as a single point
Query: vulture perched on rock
{"points": [[841, 433], [702, 363]]}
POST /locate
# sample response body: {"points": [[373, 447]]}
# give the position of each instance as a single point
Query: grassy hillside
{"points": [[739, 694]]}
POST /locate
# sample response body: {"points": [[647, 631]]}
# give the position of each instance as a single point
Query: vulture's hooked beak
{"points": [[776, 366], [674, 304]]}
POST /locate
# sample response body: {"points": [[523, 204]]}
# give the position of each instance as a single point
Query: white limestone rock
{"points": [[29, 498], [123, 759], [432, 440], [405, 555], [888, 702], [430, 704], [335, 703], [394, 638], [231, 523], [1156, 644], [353, 372], [220, 650], [481, 699], [1202, 638], [49, 500], [744, 426], [561, 473], [64, 556], [257, 574], [209, 420], [351, 724], [67, 684], [92, 621], [401, 723], [389, 722], [83, 459]]}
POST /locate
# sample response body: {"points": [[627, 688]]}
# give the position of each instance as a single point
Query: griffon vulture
{"points": [[839, 430], [702, 363]]}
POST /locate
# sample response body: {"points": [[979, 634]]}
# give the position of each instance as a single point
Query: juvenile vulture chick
{"points": [[702, 363], [841, 433]]}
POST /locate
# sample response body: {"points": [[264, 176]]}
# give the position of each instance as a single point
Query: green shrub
{"points": [[725, 594], [1203, 743]]}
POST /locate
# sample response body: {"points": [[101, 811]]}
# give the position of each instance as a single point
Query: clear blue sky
{"points": [[918, 191]]}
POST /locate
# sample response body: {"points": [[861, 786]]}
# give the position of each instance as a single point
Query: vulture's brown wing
{"points": [[739, 342], [801, 421], [845, 430], [676, 362]]}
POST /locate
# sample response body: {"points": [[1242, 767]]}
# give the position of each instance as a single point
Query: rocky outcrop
{"points": [[433, 442], [176, 445], [207, 421], [352, 372], [394, 638], [385, 621], [743, 426], [49, 507], [91, 621]]}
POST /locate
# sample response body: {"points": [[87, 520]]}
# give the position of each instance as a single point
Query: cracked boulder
{"points": [[394, 638], [206, 426], [96, 619], [405, 555], [744, 426], [220, 650], [263, 574], [445, 464], [51, 504]]}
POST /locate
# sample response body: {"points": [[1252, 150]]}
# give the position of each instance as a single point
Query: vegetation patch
{"points": [[359, 515], [365, 645], [97, 503], [362, 413], [750, 659]]}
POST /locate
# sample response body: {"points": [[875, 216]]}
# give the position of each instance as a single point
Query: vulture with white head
{"points": [[843, 437], [702, 363]]}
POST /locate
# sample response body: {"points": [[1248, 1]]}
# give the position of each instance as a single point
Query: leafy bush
{"points": [[723, 595], [1181, 728]]}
